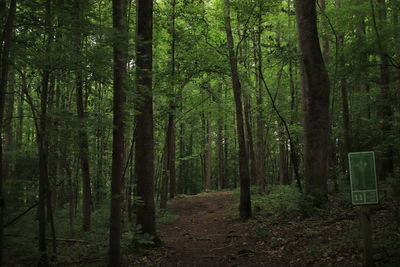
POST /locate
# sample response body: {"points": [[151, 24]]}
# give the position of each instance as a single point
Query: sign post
{"points": [[364, 191]]}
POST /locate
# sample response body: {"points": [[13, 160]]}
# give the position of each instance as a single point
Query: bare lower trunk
{"points": [[144, 145], [5, 44], [315, 85], [207, 177], [120, 53]]}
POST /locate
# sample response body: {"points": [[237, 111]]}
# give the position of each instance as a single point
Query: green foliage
{"points": [[283, 201], [166, 217]]}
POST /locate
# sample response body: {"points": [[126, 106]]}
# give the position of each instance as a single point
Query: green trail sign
{"points": [[364, 189]]}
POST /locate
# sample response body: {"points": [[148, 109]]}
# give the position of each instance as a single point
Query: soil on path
{"points": [[208, 233]]}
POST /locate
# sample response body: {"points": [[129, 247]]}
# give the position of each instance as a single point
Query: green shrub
{"points": [[284, 201]]}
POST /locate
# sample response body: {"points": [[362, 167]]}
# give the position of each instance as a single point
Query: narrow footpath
{"points": [[208, 233]]}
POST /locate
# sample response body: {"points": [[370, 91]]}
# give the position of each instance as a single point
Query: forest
{"points": [[198, 132]]}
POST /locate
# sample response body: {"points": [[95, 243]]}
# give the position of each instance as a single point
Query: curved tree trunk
{"points": [[245, 201]]}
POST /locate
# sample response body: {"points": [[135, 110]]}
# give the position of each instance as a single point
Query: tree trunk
{"points": [[171, 119], [83, 142], [220, 145], [207, 179], [245, 200], [8, 127], [385, 109], [324, 26], [144, 146], [283, 166], [315, 83], [120, 52], [260, 175], [249, 139], [20, 125], [5, 43]]}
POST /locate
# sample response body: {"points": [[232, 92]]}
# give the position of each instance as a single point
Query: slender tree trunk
{"points": [[83, 141], [220, 145], [166, 172], [345, 102], [20, 124], [283, 166], [245, 200], [43, 144], [207, 179], [5, 43], [171, 119], [8, 126], [324, 26], [144, 146], [315, 83], [249, 139], [260, 175], [43, 169], [120, 52], [385, 108]]}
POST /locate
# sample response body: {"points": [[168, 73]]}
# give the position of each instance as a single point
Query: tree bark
{"points": [[83, 141], [283, 166], [144, 164], [260, 175], [5, 43], [8, 126], [171, 116], [385, 108], [120, 52], [315, 84], [325, 40], [207, 175], [220, 145], [245, 199]]}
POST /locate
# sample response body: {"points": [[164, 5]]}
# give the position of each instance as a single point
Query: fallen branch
{"points": [[221, 247], [68, 240]]}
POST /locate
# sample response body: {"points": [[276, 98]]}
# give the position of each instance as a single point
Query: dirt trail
{"points": [[208, 233]]}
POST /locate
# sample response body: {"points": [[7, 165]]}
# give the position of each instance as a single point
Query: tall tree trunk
{"points": [[43, 144], [260, 175], [220, 144], [207, 175], [83, 141], [144, 146], [385, 108], [5, 43], [315, 83], [245, 199], [249, 135], [120, 52], [171, 119], [345, 102]]}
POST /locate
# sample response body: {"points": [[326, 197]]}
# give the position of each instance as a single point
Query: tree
{"points": [[315, 86], [82, 136], [144, 146], [5, 43], [120, 51], [245, 200]]}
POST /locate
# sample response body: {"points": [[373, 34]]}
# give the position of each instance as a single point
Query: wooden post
{"points": [[367, 235]]}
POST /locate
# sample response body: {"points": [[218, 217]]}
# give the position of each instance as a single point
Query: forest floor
{"points": [[204, 230], [208, 233]]}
